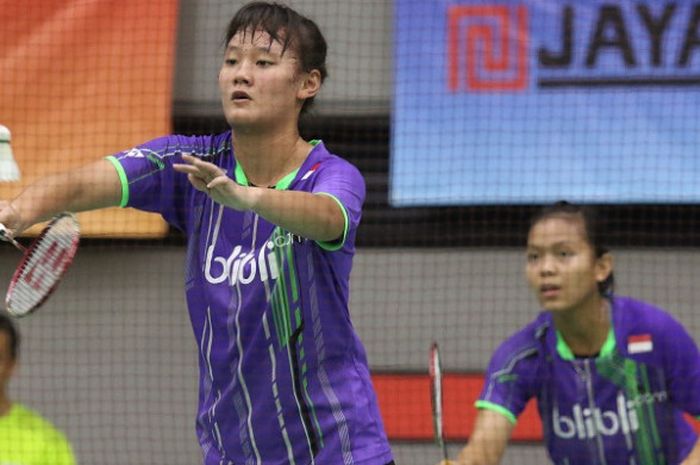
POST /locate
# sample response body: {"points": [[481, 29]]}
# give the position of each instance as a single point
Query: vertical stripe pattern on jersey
{"points": [[338, 415], [632, 377], [275, 391], [285, 301]]}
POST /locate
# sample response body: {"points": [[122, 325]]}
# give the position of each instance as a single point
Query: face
{"points": [[561, 267], [7, 363], [259, 84]]}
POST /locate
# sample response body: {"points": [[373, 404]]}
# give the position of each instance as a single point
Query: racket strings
{"points": [[43, 265]]}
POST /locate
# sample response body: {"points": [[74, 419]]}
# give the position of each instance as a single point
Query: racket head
{"points": [[43, 265], [435, 371]]}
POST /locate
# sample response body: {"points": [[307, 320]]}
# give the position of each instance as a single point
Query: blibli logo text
{"points": [[586, 423], [242, 267]]}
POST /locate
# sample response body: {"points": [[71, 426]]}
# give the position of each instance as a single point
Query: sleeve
{"points": [[58, 450], [508, 384], [682, 362], [342, 182], [148, 181]]}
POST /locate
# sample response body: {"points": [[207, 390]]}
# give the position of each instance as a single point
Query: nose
{"points": [[242, 73], [547, 265], [241, 79]]}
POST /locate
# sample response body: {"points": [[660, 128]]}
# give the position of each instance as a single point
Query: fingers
{"points": [[9, 219], [187, 169], [217, 181], [203, 167], [9, 223], [198, 183], [5, 234], [194, 167]]}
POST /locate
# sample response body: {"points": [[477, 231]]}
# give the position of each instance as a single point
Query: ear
{"points": [[603, 267], [309, 85]]}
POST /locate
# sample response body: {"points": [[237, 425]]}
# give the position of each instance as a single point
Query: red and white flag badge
{"points": [[310, 172], [639, 343]]}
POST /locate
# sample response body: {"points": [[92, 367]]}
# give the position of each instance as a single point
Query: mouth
{"points": [[240, 96], [549, 290]]}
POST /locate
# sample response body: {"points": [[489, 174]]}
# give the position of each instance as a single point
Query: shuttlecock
{"points": [[9, 171]]}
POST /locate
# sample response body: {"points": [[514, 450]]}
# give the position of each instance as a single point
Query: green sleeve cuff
{"points": [[122, 179], [338, 243], [486, 405]]}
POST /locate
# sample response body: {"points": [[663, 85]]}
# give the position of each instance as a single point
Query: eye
{"points": [[230, 61], [264, 63], [532, 257], [565, 253]]}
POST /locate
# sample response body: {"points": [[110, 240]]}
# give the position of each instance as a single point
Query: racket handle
{"points": [[8, 238]]}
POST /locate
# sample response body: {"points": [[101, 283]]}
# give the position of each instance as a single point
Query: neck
{"points": [[585, 328], [268, 157]]}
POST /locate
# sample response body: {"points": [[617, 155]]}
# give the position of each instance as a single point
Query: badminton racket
{"points": [[43, 264], [435, 370]]}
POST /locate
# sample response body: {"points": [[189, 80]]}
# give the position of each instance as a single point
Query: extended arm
{"points": [[91, 187], [316, 217], [488, 441]]}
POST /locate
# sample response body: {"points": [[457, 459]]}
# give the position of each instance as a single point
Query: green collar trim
{"points": [[606, 351], [239, 175], [282, 184]]}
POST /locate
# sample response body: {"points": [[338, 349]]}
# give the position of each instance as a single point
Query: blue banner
{"points": [[506, 102]]}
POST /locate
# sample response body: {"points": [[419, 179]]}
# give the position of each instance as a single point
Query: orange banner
{"points": [[81, 79]]}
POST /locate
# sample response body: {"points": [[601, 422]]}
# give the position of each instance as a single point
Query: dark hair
{"points": [[287, 27], [9, 328], [593, 227]]}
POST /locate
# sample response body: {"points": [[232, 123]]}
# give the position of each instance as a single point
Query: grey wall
{"points": [[111, 358]]}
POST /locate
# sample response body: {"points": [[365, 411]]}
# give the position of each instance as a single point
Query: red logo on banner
{"points": [[487, 48]]}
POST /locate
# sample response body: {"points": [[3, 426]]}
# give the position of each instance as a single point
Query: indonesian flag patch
{"points": [[310, 172], [639, 343]]}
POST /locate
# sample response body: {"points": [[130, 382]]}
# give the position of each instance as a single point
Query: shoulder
{"points": [[27, 419], [636, 320], [523, 348], [323, 160], [638, 315], [198, 145]]}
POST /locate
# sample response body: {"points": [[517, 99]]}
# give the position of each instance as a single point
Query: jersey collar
{"points": [[565, 352], [282, 184]]}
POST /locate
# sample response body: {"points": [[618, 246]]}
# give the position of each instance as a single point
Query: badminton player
{"points": [[25, 437], [613, 376], [270, 220]]}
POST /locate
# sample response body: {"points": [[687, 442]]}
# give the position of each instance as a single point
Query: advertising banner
{"points": [[528, 102]]}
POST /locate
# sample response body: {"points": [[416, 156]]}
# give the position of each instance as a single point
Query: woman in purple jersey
{"points": [[270, 220], [612, 376]]}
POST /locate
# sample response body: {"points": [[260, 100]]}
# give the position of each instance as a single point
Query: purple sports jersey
{"points": [[624, 406], [284, 378]]}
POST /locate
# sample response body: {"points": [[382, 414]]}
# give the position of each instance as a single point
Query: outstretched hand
{"points": [[10, 219], [212, 180]]}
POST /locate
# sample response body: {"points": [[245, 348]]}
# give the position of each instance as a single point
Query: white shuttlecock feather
{"points": [[9, 171]]}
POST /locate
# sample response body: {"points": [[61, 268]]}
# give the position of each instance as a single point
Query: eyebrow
{"points": [[556, 244], [260, 49]]}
